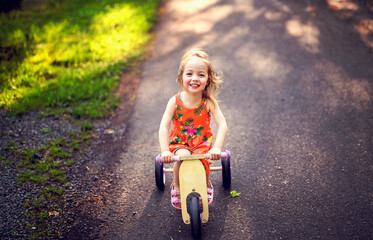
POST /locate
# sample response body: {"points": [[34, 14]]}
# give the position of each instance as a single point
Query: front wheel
{"points": [[195, 217], [226, 172], [159, 175]]}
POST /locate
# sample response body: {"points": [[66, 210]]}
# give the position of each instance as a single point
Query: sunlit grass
{"points": [[67, 57]]}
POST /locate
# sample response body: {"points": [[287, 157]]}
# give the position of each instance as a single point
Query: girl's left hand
{"points": [[215, 153]]}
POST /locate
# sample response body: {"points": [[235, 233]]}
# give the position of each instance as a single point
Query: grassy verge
{"points": [[65, 57]]}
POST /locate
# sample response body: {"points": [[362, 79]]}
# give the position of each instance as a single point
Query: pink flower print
{"points": [[191, 131]]}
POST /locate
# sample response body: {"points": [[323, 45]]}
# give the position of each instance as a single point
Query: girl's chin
{"points": [[194, 91]]}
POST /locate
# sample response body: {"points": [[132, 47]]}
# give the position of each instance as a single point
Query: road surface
{"points": [[297, 96]]}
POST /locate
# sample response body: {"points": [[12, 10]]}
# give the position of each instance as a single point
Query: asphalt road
{"points": [[297, 97]]}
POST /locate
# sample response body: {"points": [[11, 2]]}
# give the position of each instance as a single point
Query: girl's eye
{"points": [[189, 74]]}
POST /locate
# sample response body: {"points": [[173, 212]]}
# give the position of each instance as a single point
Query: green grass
{"points": [[66, 57], [45, 163], [46, 168]]}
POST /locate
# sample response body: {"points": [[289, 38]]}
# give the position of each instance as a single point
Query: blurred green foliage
{"points": [[66, 57]]}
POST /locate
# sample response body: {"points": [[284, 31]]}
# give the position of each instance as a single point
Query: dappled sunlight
{"points": [[338, 89], [185, 19], [342, 5], [306, 33], [234, 33], [251, 12], [112, 30], [191, 6], [263, 62], [347, 9], [274, 16], [282, 6], [365, 29], [203, 23]]}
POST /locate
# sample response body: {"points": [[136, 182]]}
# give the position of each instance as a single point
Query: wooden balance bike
{"points": [[193, 187]]}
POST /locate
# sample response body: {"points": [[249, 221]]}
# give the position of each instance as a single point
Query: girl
{"points": [[190, 113]]}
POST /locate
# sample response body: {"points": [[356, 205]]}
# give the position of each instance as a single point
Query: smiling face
{"points": [[195, 75]]}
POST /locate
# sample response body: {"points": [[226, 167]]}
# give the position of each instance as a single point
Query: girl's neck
{"points": [[191, 100]]}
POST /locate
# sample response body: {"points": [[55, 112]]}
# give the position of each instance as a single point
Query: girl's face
{"points": [[195, 75]]}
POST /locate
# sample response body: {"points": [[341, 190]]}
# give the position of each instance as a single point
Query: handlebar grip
{"points": [[225, 154], [222, 154], [158, 159]]}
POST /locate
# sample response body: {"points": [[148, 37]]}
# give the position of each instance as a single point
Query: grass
{"points": [[45, 163], [45, 168], [66, 57]]}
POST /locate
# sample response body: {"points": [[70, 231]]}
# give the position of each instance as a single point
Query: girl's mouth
{"points": [[194, 85]]}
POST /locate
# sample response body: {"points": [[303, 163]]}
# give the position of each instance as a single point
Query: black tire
{"points": [[226, 172], [195, 217], [159, 176]]}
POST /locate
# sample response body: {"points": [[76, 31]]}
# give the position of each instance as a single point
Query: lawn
{"points": [[66, 57]]}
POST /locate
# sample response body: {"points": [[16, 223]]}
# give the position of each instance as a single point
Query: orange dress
{"points": [[191, 130]]}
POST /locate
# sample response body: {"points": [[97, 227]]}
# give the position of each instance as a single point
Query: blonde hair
{"points": [[213, 86]]}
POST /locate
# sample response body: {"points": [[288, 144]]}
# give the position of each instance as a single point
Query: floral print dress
{"points": [[191, 130]]}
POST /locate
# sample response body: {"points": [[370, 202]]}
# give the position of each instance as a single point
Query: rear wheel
{"points": [[159, 175], [195, 217], [226, 172]]}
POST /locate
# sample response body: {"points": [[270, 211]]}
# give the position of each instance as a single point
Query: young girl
{"points": [[190, 113]]}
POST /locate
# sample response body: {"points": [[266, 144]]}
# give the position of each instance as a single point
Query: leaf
{"points": [[233, 194], [53, 213], [109, 131], [189, 122], [200, 129], [197, 111]]}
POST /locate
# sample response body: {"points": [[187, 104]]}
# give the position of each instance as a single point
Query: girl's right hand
{"points": [[167, 157]]}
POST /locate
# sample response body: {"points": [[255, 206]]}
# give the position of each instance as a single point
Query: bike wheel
{"points": [[226, 172], [195, 217], [159, 175]]}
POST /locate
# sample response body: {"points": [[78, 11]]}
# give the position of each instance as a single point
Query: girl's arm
{"points": [[221, 132], [164, 130]]}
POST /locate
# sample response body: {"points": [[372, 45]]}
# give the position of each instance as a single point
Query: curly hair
{"points": [[214, 81]]}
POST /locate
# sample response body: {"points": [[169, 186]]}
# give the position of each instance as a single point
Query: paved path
{"points": [[298, 100]]}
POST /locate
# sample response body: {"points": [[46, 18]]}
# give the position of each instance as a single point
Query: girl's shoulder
{"points": [[172, 100], [171, 103]]}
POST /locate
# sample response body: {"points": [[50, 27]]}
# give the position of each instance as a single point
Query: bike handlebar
{"points": [[225, 154]]}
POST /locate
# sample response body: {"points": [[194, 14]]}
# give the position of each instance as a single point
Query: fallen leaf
{"points": [[109, 131], [53, 213], [235, 194]]}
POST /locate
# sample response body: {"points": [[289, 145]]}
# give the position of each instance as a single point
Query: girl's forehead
{"points": [[195, 62]]}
